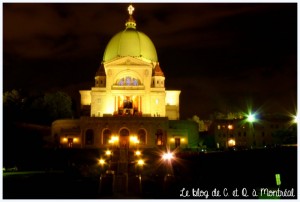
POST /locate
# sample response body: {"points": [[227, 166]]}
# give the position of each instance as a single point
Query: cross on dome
{"points": [[130, 22], [130, 9]]}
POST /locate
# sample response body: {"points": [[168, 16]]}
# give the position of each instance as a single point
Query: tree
{"points": [[38, 109], [13, 105], [58, 105]]}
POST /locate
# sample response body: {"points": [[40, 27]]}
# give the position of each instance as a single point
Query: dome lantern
{"points": [[130, 22], [130, 42]]}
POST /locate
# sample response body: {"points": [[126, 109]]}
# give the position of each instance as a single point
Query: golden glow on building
{"points": [[231, 143], [134, 139], [113, 140], [130, 81]]}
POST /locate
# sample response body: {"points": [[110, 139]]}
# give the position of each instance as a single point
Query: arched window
{"points": [[128, 81], [142, 136], [124, 132], [106, 136], [89, 137], [159, 137]]}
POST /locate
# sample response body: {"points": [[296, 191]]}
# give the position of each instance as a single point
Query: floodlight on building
{"points": [[134, 139], [113, 139]]}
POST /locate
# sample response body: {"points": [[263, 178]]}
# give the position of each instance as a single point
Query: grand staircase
{"points": [[121, 179]]}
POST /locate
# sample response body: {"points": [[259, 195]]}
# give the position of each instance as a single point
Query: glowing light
{"points": [[230, 127], [182, 139], [130, 9], [138, 153], [140, 162], [251, 118], [101, 162], [108, 152], [113, 139], [134, 139], [65, 139], [167, 156], [296, 119], [76, 139], [172, 139], [231, 142]]}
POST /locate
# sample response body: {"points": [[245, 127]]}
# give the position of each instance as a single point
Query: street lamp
{"points": [[102, 162], [109, 154], [167, 156], [251, 119], [138, 153], [140, 163]]}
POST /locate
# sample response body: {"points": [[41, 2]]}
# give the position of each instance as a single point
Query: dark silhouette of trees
{"points": [[37, 109]]}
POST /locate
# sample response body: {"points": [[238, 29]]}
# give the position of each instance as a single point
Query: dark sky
{"points": [[222, 56]]}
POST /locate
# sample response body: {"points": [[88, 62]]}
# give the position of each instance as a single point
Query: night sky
{"points": [[222, 56]]}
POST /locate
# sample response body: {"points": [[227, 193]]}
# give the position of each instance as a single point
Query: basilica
{"points": [[128, 104]]}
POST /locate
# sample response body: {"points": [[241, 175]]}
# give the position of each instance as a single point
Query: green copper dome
{"points": [[130, 42]]}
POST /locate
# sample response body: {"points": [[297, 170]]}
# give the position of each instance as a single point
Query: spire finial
{"points": [[130, 22], [130, 9]]}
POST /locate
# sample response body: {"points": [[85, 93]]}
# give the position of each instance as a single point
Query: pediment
{"points": [[127, 61]]}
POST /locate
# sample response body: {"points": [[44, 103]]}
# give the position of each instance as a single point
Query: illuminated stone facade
{"points": [[130, 80], [130, 86], [128, 105]]}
